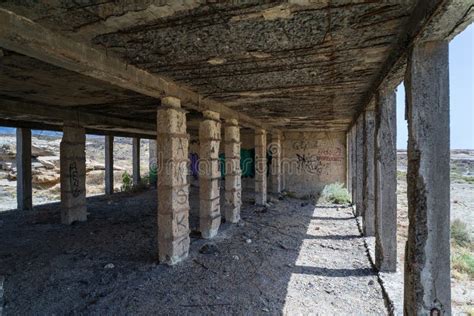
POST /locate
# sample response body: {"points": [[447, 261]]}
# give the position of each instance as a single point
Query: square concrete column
{"points": [[427, 257], [369, 172], [152, 153], [386, 182], [233, 174], [275, 150], [73, 173], [209, 174], [173, 188], [24, 195], [260, 166], [353, 163], [349, 161], [136, 160], [109, 164], [359, 160]]}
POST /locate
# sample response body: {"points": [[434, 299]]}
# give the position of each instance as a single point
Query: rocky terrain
{"points": [[45, 166], [462, 226]]}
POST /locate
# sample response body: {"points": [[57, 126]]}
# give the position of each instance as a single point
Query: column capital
{"points": [[231, 122], [171, 102], [211, 115]]}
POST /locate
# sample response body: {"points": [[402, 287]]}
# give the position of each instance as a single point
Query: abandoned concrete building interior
{"points": [[305, 90]]}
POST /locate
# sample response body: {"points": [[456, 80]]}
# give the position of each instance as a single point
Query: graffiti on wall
{"points": [[321, 150], [309, 164]]}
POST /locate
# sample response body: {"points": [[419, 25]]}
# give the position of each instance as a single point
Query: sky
{"points": [[461, 90]]}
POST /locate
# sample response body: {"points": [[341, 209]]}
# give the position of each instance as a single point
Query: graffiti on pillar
{"points": [[182, 221], [74, 179], [181, 147], [182, 196], [180, 172]]}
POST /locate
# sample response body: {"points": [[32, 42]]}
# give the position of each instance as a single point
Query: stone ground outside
{"points": [[45, 169], [289, 258], [462, 208]]}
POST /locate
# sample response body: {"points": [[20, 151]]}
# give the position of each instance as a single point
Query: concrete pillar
{"points": [[353, 163], [209, 174], [173, 188], [152, 159], [275, 150], [386, 182], [109, 164], [359, 160], [233, 174], [349, 161], [73, 173], [369, 172], [427, 265], [260, 166], [136, 160], [24, 195]]}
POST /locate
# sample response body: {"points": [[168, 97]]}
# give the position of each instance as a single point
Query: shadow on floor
{"points": [[269, 263]]}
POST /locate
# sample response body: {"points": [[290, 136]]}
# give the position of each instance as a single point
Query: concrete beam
{"points": [[427, 257], [24, 193], [109, 164], [24, 36], [136, 160], [59, 128], [430, 20], [386, 182], [30, 112]]}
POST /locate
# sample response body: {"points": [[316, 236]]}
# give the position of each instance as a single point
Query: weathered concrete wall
{"points": [[312, 160]]}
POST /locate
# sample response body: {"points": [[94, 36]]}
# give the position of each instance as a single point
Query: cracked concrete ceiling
{"points": [[299, 65]]}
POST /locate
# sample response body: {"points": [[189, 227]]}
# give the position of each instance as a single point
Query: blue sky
{"points": [[461, 86]]}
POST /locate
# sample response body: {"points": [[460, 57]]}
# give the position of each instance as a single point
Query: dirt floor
{"points": [[287, 258]]}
